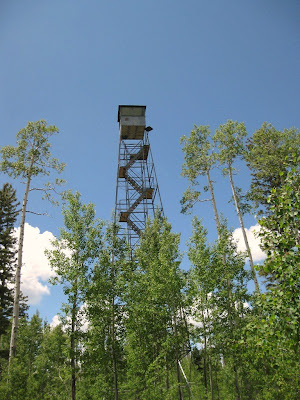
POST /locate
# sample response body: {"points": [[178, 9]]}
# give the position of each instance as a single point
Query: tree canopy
{"points": [[148, 322]]}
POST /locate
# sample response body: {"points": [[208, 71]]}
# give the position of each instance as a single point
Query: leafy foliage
{"points": [[219, 294], [106, 312], [229, 138], [230, 141], [270, 153], [281, 241], [74, 252], [30, 158], [199, 159], [8, 216], [31, 153], [154, 331]]}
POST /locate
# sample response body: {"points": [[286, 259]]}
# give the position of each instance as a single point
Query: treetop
{"points": [[31, 156]]}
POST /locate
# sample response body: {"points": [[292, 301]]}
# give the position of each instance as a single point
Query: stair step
{"points": [[124, 217], [134, 227], [133, 183], [147, 194], [141, 154]]}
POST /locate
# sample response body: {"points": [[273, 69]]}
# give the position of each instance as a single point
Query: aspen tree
{"points": [[107, 313], [73, 254], [270, 153], [30, 158], [229, 138], [199, 159]]}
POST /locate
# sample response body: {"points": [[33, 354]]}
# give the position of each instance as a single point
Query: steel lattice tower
{"points": [[137, 191]]}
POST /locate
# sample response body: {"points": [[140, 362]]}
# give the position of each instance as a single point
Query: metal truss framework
{"points": [[137, 191]]}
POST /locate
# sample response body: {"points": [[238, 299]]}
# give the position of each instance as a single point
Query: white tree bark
{"points": [[16, 308], [238, 210]]}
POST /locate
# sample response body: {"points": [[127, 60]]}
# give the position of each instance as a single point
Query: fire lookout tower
{"points": [[137, 191]]}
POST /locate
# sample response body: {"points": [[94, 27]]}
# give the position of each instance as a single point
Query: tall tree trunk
{"points": [[167, 377], [16, 308], [217, 219], [205, 356], [211, 378], [113, 335], [180, 394], [236, 382], [211, 383], [113, 339], [238, 210], [73, 349], [213, 200], [190, 372], [217, 382], [205, 365]]}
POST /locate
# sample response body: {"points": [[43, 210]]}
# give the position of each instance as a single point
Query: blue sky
{"points": [[194, 62]]}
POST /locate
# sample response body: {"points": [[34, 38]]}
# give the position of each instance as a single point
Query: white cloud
{"points": [[55, 321], [192, 321], [253, 239], [36, 269], [82, 318]]}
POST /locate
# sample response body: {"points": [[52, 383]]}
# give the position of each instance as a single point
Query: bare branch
{"points": [[36, 213], [42, 189]]}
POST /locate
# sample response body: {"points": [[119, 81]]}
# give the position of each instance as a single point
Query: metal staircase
{"points": [[134, 227], [145, 193], [137, 192]]}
